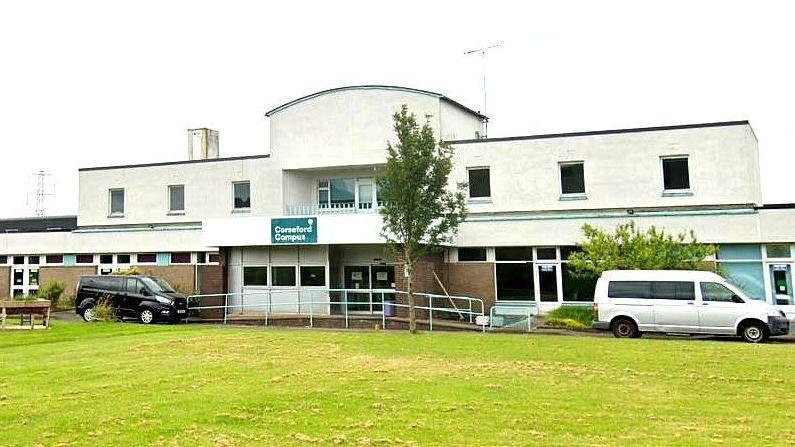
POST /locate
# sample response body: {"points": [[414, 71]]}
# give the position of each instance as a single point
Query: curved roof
{"points": [[375, 87]]}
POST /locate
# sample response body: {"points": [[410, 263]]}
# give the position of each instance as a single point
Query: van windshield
{"points": [[157, 285]]}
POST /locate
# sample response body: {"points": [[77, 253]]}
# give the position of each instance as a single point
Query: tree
{"points": [[631, 249], [420, 209]]}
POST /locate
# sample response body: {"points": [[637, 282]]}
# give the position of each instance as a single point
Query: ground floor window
{"points": [[255, 276], [313, 276], [283, 276], [575, 287], [515, 281]]}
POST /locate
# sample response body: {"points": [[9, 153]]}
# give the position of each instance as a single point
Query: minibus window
{"points": [[673, 290], [629, 289], [713, 291]]}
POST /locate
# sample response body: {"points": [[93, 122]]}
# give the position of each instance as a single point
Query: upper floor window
{"points": [[479, 183], [676, 176], [572, 178], [346, 193], [116, 198], [242, 195], [176, 199]]}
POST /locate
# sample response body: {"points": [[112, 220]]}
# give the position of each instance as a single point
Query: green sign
{"points": [[294, 230]]}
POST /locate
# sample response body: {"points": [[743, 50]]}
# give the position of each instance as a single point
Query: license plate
{"points": [[180, 311]]}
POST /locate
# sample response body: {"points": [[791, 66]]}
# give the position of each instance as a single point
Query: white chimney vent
{"points": [[202, 144]]}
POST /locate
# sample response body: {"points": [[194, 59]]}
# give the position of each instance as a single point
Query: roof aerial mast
{"points": [[482, 52]]}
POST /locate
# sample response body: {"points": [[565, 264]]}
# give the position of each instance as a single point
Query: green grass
{"points": [[570, 317], [128, 384]]}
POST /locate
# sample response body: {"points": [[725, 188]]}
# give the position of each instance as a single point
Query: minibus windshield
{"points": [[157, 285]]}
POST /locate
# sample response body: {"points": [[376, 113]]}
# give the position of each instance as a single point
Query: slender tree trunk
{"points": [[412, 309]]}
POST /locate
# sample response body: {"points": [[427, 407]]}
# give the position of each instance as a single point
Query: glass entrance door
{"points": [[382, 277], [357, 277], [548, 282]]}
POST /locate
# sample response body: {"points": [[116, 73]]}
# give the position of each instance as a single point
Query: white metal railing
{"points": [[346, 301], [332, 208]]}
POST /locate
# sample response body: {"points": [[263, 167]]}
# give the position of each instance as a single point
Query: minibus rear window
{"points": [[629, 289]]}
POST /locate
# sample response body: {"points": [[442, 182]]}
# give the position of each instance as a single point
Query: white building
{"points": [[304, 218]]}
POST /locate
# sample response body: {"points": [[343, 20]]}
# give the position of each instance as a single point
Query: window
{"points": [[572, 179], [255, 276], [547, 253], [509, 254], [467, 254], [180, 258], [214, 258], [479, 183], [515, 281], [33, 277], [146, 258], [33, 259], [18, 260], [778, 251], [3, 259], [116, 202], [575, 287], [106, 259], [122, 259], [313, 276], [712, 291], [675, 173], [176, 199], [133, 286], [283, 276], [629, 289], [84, 259], [365, 194], [565, 252], [52, 259], [201, 257], [242, 195], [673, 290]]}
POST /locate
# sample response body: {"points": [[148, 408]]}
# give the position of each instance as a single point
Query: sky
{"points": [[103, 83]]}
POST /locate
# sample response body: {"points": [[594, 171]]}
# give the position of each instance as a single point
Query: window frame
{"points": [[235, 208], [139, 262], [571, 195], [267, 275], [272, 276], [485, 254], [476, 199], [676, 192], [181, 212], [111, 213], [301, 278]]}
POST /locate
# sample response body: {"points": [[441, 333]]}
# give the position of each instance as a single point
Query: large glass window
{"points": [[116, 202], [176, 198], [778, 251], [342, 192], [739, 252], [675, 173], [572, 178], [577, 288], [479, 183], [242, 195], [467, 254], [312, 276], [255, 276], [746, 276], [515, 281], [283, 276], [513, 253]]}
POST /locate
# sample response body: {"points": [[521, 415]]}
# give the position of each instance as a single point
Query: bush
{"points": [[103, 311], [129, 271], [570, 317], [52, 291]]}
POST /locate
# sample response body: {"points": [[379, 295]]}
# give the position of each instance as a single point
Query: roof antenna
{"points": [[482, 52]]}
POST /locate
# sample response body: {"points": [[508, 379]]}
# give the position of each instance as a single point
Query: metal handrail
{"points": [[310, 304]]}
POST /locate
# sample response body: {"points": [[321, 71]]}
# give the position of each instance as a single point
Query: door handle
{"points": [[705, 304], [690, 303]]}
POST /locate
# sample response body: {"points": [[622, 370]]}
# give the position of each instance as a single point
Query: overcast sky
{"points": [[102, 83]]}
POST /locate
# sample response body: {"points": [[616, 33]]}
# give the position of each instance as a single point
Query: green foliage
{"points": [[629, 248], [52, 291], [420, 210], [570, 317], [26, 298], [103, 311], [129, 271]]}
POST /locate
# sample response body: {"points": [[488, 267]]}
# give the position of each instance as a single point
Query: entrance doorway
{"points": [[368, 277], [781, 284]]}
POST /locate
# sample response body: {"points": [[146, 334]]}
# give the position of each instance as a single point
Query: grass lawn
{"points": [[128, 384]]}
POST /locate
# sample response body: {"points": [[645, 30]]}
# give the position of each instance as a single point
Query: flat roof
{"points": [[375, 87], [169, 163], [605, 132], [38, 224]]}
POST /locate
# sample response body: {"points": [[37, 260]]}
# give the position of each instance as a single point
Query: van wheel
{"points": [[754, 333], [146, 316], [88, 313], [625, 328]]}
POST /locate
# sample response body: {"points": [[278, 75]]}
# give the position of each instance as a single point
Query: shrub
{"points": [[570, 317], [129, 271], [52, 291], [103, 311]]}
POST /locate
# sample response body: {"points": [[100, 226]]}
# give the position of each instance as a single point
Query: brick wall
{"points": [[5, 282], [475, 279], [68, 275], [422, 281], [181, 277]]}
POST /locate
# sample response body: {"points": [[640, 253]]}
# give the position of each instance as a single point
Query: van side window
{"points": [[629, 289], [673, 290], [132, 286], [713, 291]]}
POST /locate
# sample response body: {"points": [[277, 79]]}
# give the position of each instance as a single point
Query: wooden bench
{"points": [[25, 307]]}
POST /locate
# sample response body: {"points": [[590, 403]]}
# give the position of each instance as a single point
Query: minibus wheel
{"points": [[88, 313], [146, 316], [625, 328], [754, 332]]}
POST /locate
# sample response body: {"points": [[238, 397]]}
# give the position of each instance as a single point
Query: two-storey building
{"points": [[304, 218]]}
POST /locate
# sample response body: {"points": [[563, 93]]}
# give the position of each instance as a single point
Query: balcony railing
{"points": [[333, 208]]}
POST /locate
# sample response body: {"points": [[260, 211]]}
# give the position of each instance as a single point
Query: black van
{"points": [[147, 298]]}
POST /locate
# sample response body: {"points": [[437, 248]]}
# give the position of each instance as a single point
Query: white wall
{"points": [[621, 170], [208, 191], [139, 241]]}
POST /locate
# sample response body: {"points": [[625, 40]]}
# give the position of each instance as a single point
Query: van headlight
{"points": [[163, 300]]}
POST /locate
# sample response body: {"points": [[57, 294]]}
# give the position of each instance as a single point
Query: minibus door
{"points": [[675, 307]]}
